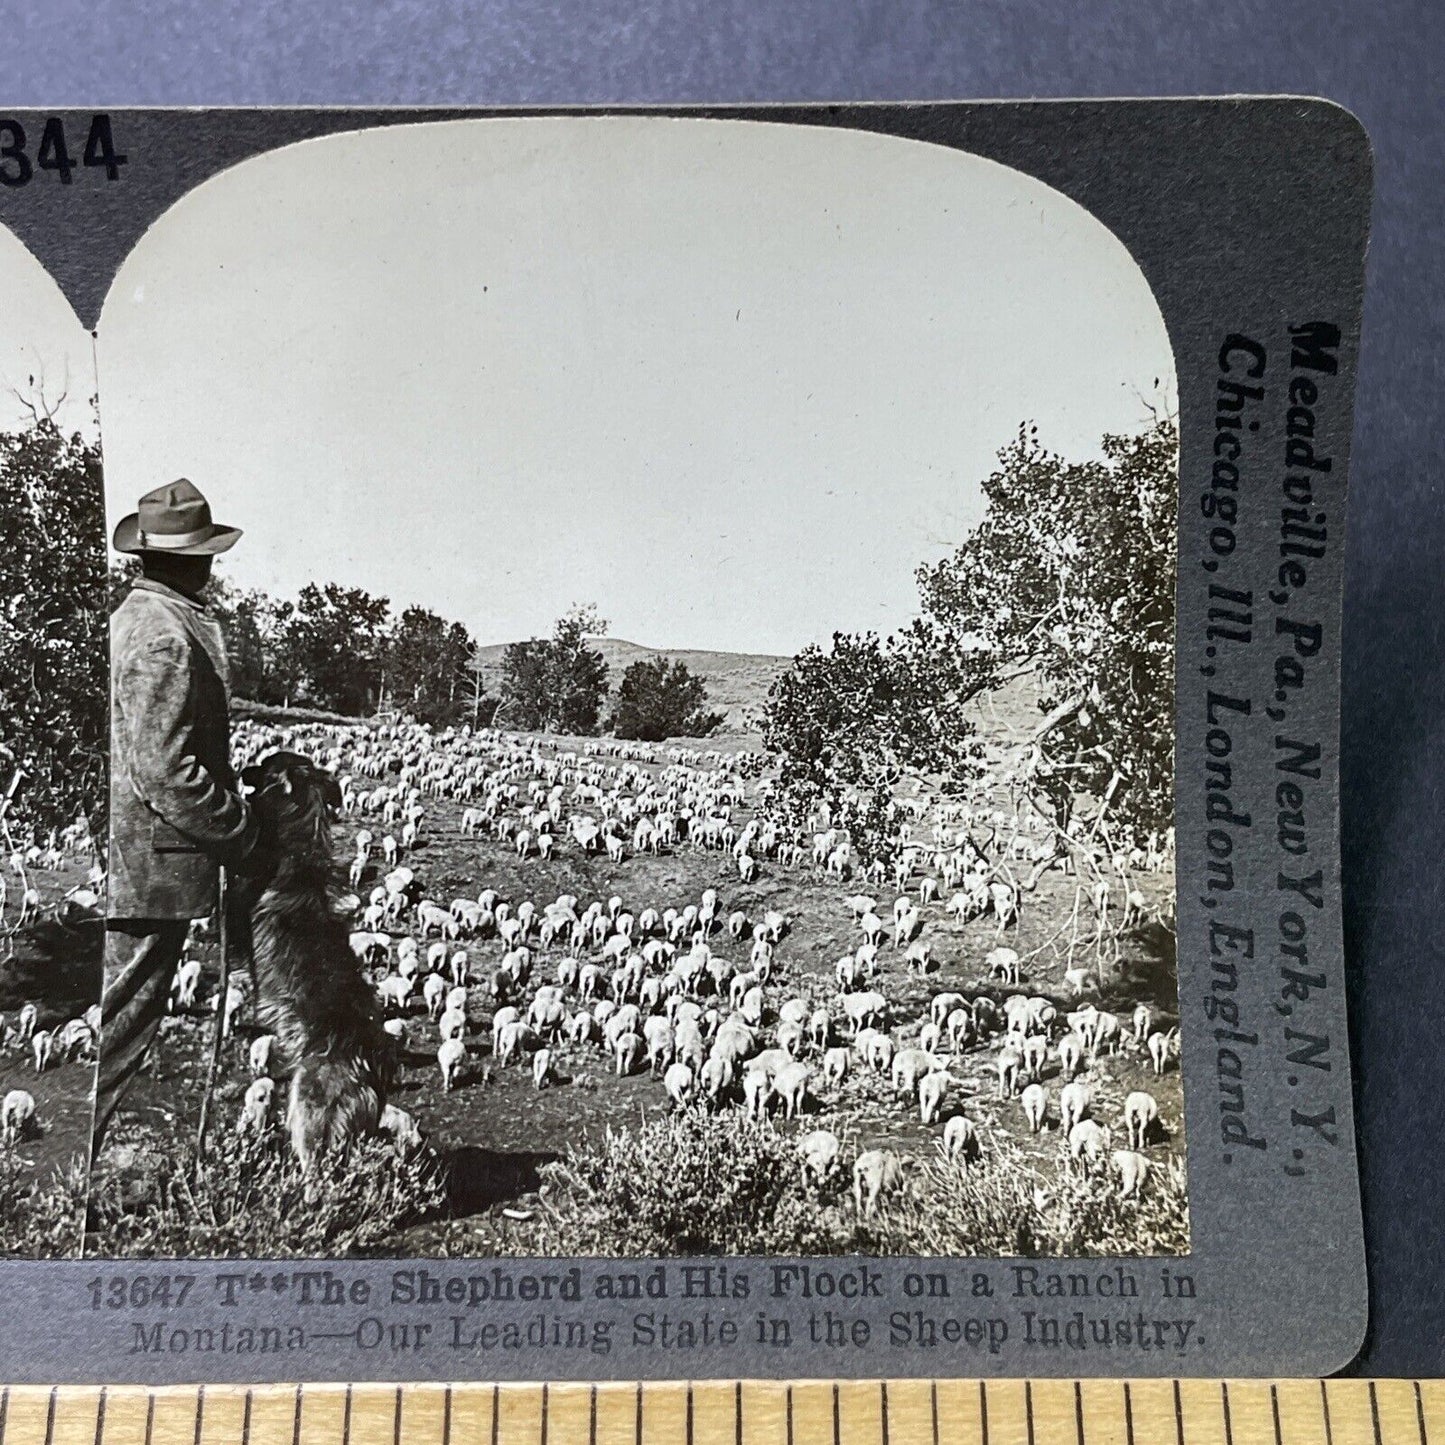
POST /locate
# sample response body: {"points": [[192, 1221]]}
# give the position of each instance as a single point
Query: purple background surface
{"points": [[1382, 60]]}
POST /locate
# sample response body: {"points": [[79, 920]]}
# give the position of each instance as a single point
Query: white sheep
{"points": [[680, 1083], [1132, 1169], [875, 1172], [401, 1126], [257, 1105], [820, 1150], [791, 1085], [1088, 1140], [17, 1116], [262, 1047], [451, 1055], [541, 1068], [960, 1138], [932, 1092], [1141, 1114], [1035, 1103], [1075, 1101]]}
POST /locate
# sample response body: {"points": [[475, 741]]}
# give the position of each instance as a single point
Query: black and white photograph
{"points": [[642, 706], [53, 729]]}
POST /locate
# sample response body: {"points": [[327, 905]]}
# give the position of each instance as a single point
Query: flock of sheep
{"points": [[716, 1000], [34, 1037]]}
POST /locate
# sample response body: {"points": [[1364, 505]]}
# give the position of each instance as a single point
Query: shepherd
{"points": [[177, 814]]}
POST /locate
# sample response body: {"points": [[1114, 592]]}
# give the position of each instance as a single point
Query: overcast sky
{"points": [[731, 382], [45, 353]]}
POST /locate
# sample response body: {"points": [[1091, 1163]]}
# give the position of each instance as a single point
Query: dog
{"points": [[309, 987]]}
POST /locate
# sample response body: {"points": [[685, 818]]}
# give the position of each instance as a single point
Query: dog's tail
{"points": [[333, 1101]]}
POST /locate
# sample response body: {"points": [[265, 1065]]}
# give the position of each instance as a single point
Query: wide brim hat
{"points": [[174, 519]]}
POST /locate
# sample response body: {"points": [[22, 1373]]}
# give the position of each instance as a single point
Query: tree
{"points": [[556, 684], [1070, 573], [849, 724], [333, 639], [659, 699], [1073, 570], [248, 620], [54, 590], [429, 671]]}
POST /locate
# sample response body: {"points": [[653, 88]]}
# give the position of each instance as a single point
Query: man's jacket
{"points": [[175, 809]]}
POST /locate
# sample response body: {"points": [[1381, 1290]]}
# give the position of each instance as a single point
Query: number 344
{"points": [[53, 154]]}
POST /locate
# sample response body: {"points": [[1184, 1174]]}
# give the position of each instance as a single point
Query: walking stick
{"points": [[213, 1067]]}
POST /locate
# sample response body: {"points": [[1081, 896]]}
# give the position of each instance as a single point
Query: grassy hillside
{"points": [[737, 682]]}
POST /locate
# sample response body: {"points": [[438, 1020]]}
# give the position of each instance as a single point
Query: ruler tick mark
{"points": [[100, 1417], [1419, 1417]]}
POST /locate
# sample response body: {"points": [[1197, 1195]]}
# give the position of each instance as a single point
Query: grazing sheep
{"points": [[879, 1053], [1035, 1102], [874, 1172], [451, 1055], [757, 1091], [960, 1029], [717, 1077], [1132, 1169], [257, 1105], [790, 1084], [628, 1052], [1004, 963], [861, 1009], [262, 1048], [1141, 1116], [516, 1038], [541, 1068], [401, 1126], [1033, 1051], [17, 1116], [1075, 1101], [835, 1065], [820, 1150], [1071, 1054], [42, 1044], [932, 1091], [942, 1005], [910, 1065], [680, 1083], [1008, 1067], [183, 986], [1160, 1048], [1089, 1141], [452, 1025], [960, 1139]]}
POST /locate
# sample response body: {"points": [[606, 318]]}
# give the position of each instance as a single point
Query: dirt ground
{"points": [[497, 1128]]}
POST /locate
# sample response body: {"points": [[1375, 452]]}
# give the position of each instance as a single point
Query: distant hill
{"points": [[737, 682]]}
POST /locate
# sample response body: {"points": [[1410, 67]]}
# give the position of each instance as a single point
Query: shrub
{"points": [[245, 1198], [41, 1219], [702, 1184]]}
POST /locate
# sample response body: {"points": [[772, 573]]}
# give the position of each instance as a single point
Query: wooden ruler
{"points": [[893, 1412]]}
